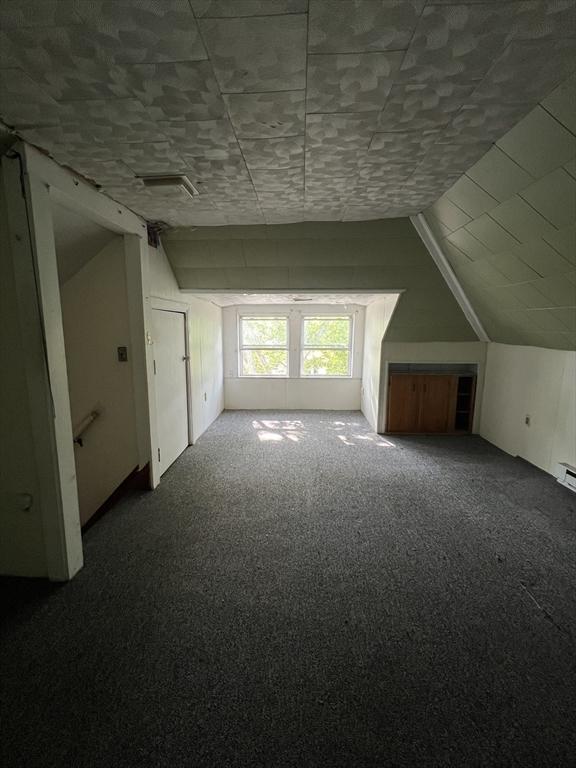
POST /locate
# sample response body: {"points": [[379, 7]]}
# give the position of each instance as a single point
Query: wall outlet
{"points": [[527, 420]]}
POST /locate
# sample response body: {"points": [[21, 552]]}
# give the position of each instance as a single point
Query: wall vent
{"points": [[566, 475], [171, 181]]}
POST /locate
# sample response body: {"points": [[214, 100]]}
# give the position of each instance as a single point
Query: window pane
{"points": [[264, 331], [326, 331], [265, 362], [326, 362]]}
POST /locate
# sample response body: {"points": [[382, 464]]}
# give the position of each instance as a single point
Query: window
{"points": [[326, 345], [264, 346]]}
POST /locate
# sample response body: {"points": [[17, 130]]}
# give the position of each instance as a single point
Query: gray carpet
{"points": [[300, 592]]}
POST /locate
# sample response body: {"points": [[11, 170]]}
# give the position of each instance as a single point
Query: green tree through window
{"points": [[326, 346], [264, 346]]}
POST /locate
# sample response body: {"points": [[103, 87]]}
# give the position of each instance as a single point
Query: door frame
{"points": [[31, 182], [168, 305]]}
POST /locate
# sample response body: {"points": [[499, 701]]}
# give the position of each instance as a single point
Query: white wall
{"points": [[436, 352], [205, 342], [378, 316], [292, 392], [96, 323], [537, 382]]}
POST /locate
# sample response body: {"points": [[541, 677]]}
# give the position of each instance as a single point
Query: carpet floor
{"points": [[302, 592]]}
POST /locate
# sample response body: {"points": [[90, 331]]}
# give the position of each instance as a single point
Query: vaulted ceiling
{"points": [[508, 228], [277, 110]]}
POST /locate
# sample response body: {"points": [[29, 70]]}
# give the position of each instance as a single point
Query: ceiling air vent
{"points": [[171, 181]]}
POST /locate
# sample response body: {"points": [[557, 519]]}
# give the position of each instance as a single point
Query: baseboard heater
{"points": [[566, 475]]}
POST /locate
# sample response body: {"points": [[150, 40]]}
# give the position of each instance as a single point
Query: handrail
{"points": [[84, 425]]}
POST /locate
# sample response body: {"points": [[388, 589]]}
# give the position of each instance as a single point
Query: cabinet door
{"points": [[403, 403], [437, 401]]}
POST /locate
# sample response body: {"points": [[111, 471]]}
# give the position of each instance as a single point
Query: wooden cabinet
{"points": [[430, 403]]}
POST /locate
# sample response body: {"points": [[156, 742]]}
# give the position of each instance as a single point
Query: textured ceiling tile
{"points": [[322, 164], [383, 175], [134, 31], [471, 198], [257, 54], [422, 106], [541, 257], [400, 148], [176, 91], [231, 167], [567, 316], [564, 241], [545, 21], [326, 213], [30, 13], [554, 196], [350, 82], [212, 139], [468, 244], [522, 76], [24, 103], [457, 42], [561, 103], [448, 160], [338, 26], [66, 61], [560, 291], [521, 220], [439, 230], [570, 167], [104, 172], [340, 132], [538, 143], [499, 175], [334, 142], [65, 139], [361, 213], [112, 120], [267, 115], [529, 295], [483, 123], [454, 255], [449, 214], [283, 152], [491, 234], [332, 188], [513, 269], [224, 8], [150, 158], [221, 190]]}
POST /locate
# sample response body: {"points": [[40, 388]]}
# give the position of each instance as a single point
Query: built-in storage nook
{"points": [[431, 398]]}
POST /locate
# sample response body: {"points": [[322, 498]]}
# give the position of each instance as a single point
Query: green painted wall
{"points": [[385, 254], [508, 228]]}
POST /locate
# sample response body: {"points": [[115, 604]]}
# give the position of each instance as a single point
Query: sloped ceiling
{"points": [[508, 228], [77, 240], [353, 257], [277, 110]]}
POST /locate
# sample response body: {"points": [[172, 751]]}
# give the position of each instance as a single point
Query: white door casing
{"points": [[169, 329]]}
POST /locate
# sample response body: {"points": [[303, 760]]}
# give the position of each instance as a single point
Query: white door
{"points": [[171, 391]]}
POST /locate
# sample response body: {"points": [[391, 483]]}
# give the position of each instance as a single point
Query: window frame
{"points": [[242, 347], [349, 348]]}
